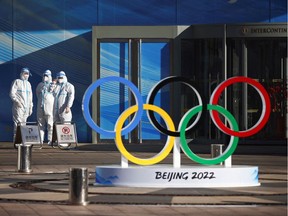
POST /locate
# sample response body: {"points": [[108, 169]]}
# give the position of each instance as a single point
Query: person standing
{"points": [[22, 98], [45, 105], [64, 97]]}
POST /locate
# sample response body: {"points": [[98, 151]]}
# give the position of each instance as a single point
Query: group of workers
{"points": [[54, 101]]}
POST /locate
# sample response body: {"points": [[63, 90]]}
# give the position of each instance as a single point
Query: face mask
{"points": [[60, 81], [25, 76], [45, 79]]}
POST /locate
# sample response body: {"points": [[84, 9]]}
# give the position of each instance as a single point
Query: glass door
{"points": [[267, 62], [113, 97], [144, 63], [264, 60], [202, 62], [154, 64]]}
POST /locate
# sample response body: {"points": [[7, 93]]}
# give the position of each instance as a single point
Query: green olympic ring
{"points": [[230, 148]]}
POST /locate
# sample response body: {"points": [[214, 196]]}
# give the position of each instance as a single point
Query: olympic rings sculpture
{"points": [[213, 108]]}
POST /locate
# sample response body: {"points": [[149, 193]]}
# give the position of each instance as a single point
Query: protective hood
{"points": [[23, 71], [48, 73], [63, 75]]}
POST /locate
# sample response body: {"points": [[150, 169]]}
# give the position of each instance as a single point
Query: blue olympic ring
{"points": [[85, 106]]}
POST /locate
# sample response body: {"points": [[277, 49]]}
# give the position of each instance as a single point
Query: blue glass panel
{"points": [[278, 11], [6, 70], [228, 11], [136, 12], [155, 61], [6, 31], [189, 12], [113, 96]]}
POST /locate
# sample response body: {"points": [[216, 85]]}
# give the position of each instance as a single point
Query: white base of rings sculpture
{"points": [[185, 177], [146, 172]]}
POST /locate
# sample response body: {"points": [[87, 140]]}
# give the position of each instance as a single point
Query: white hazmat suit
{"points": [[64, 97], [45, 105], [22, 98]]}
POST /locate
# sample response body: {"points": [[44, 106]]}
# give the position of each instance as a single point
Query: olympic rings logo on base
{"points": [[213, 108]]}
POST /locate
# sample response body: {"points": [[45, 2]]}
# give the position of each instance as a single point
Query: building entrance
{"points": [[205, 54]]}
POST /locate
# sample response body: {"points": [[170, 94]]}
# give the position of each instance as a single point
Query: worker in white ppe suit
{"points": [[22, 98], [64, 97], [45, 105]]}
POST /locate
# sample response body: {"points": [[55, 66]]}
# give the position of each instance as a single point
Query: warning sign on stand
{"points": [[30, 134], [66, 133]]}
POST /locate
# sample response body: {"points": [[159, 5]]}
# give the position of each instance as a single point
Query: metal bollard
{"points": [[216, 150], [78, 191], [24, 158]]}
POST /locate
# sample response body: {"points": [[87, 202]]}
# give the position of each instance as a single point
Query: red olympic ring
{"points": [[266, 106]]}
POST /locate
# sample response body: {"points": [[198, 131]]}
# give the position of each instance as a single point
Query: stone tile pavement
{"points": [[45, 191]]}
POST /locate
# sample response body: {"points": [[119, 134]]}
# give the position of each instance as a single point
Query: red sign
{"points": [[66, 130]]}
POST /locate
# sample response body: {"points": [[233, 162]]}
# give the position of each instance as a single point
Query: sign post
{"points": [[27, 135]]}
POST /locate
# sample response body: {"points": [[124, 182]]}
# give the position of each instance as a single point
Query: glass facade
{"points": [[57, 35], [206, 62]]}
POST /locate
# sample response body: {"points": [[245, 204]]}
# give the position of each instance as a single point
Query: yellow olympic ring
{"points": [[161, 155]]}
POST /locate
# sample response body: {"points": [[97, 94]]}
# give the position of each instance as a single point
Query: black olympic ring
{"points": [[152, 95]]}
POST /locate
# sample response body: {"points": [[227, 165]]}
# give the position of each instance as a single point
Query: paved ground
{"points": [[46, 190]]}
